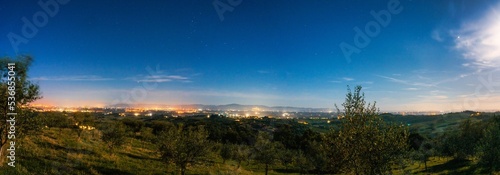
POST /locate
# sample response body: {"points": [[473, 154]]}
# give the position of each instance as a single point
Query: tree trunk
{"points": [[425, 162], [267, 168], [2, 157]]}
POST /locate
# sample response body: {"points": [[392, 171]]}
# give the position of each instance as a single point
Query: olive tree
{"points": [[114, 135], [184, 146], [266, 151], [489, 149], [366, 143]]}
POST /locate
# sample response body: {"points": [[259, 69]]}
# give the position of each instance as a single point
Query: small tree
{"points": [[133, 125], [461, 143], [469, 136], [266, 151], [147, 135], [82, 119], [113, 134], [226, 152], [160, 127], [489, 148], [241, 153], [426, 150], [286, 157], [313, 144], [300, 161], [367, 143], [184, 146], [55, 119]]}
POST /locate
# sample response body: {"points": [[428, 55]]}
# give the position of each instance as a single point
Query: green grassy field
{"points": [[61, 152]]}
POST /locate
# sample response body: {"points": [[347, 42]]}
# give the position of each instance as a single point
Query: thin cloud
{"points": [[348, 79], [411, 89], [160, 78], [365, 82], [437, 36], [71, 78], [434, 97], [423, 78], [405, 82], [263, 72]]}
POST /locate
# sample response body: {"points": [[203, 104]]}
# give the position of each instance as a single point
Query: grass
{"points": [[61, 152]]}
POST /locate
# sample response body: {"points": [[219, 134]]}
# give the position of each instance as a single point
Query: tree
{"points": [[25, 93], [184, 146], [55, 119], [469, 136], [425, 151], [147, 135], [133, 125], [287, 136], [160, 127], [286, 157], [314, 146], [489, 149], [368, 144], [266, 151], [461, 143], [82, 119], [226, 152], [241, 153], [300, 161], [447, 143], [113, 134], [333, 151]]}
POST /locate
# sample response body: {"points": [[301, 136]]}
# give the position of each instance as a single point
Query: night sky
{"points": [[430, 55]]}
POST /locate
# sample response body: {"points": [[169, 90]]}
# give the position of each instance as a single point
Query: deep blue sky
{"points": [[439, 55]]}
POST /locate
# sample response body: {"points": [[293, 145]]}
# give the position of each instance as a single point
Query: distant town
{"points": [[231, 110]]}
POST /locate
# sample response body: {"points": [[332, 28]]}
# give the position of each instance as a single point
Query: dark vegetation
{"points": [[361, 142]]}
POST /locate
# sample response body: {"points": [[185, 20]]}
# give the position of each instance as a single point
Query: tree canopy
{"points": [[366, 143]]}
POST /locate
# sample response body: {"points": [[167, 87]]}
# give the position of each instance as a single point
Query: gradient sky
{"points": [[433, 55]]}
